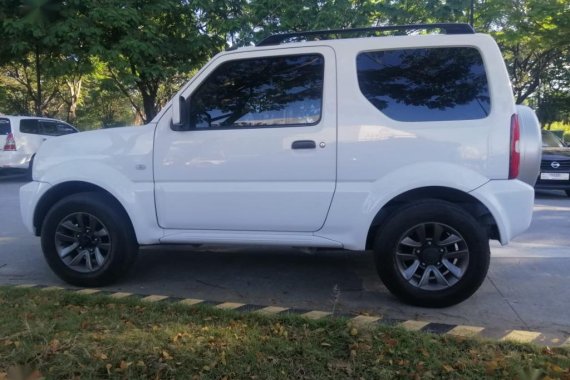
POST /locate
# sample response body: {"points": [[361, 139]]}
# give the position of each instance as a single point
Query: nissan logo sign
{"points": [[555, 165]]}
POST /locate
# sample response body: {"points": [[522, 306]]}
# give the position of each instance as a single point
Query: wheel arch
{"points": [[64, 189], [462, 199]]}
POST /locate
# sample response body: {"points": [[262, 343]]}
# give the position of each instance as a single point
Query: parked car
{"points": [[555, 164], [22, 136], [406, 145]]}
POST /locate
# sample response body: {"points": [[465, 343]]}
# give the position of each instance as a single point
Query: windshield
{"points": [[550, 140]]}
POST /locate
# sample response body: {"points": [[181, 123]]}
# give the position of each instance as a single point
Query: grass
{"points": [[63, 335]]}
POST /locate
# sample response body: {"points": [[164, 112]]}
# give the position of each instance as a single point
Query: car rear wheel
{"points": [[432, 253], [88, 240]]}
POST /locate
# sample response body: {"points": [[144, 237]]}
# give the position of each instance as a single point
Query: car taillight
{"points": [[515, 155], [10, 142]]}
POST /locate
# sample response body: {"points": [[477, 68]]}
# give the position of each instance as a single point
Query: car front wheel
{"points": [[432, 253], [88, 240]]}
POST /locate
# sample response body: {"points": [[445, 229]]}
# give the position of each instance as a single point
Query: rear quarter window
{"points": [[55, 128], [4, 127], [29, 126], [425, 84]]}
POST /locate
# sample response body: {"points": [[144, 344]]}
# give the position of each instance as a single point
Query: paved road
{"points": [[528, 286]]}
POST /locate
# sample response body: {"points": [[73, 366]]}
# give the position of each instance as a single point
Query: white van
{"points": [[22, 136]]}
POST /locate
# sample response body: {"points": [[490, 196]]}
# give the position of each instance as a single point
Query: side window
{"points": [[30, 126], [64, 129], [260, 92], [431, 84], [55, 128], [48, 128], [4, 127]]}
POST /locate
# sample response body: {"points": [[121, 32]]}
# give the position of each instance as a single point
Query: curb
{"points": [[462, 331]]}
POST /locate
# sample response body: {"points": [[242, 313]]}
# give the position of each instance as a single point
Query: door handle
{"points": [[304, 144]]}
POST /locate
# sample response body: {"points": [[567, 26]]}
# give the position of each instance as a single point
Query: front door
{"points": [[258, 150]]}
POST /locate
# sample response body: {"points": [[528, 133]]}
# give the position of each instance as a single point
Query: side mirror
{"points": [[179, 112]]}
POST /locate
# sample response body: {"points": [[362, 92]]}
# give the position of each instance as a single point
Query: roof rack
{"points": [[448, 28]]}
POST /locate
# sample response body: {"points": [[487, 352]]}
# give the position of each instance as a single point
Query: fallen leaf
{"points": [[353, 331], [392, 342], [166, 355], [447, 368], [124, 365], [491, 366], [54, 345]]}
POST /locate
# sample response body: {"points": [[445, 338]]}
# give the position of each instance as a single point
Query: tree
{"points": [[27, 37], [262, 18], [43, 49], [149, 45], [532, 34]]}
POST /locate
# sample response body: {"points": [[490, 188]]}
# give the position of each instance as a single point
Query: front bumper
{"points": [[511, 203], [30, 194], [552, 184]]}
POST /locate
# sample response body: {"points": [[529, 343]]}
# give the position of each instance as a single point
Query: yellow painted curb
{"points": [[521, 336], [364, 320], [316, 314], [50, 288], [120, 295], [154, 298], [229, 305], [465, 331], [24, 286], [414, 325], [88, 291], [191, 301], [271, 310]]}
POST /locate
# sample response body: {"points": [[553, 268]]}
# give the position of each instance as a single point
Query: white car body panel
{"points": [[248, 179], [508, 203], [248, 187], [117, 160], [27, 144]]}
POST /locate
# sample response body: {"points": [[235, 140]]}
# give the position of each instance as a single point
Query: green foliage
{"points": [[63, 335], [147, 45], [111, 62]]}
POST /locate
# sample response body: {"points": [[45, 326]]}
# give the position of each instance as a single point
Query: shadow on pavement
{"points": [[550, 194], [10, 175]]}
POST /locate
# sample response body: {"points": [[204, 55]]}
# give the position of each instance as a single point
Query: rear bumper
{"points": [[511, 203], [30, 194], [14, 160]]}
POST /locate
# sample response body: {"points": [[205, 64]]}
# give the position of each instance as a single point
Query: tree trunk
{"points": [[149, 94], [38, 98], [75, 92]]}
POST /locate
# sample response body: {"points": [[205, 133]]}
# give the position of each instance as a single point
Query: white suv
{"points": [[22, 136], [407, 145]]}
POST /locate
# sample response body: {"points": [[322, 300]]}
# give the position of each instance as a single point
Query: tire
{"points": [[394, 269], [107, 240], [567, 193]]}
